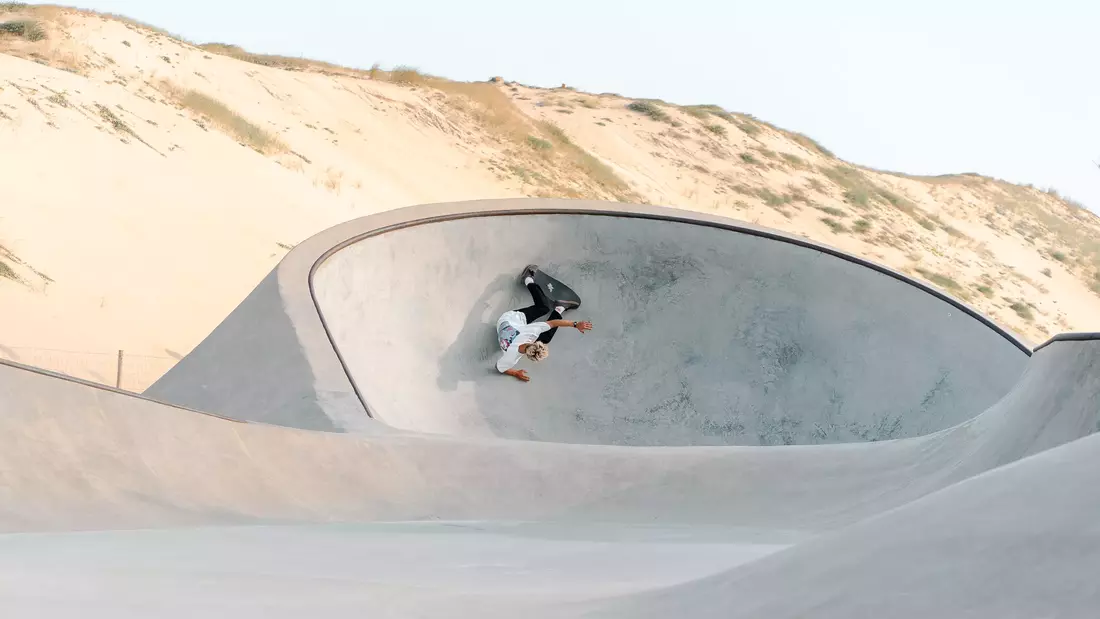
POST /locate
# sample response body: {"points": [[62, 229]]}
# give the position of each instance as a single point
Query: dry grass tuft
{"points": [[747, 124], [702, 111], [112, 119], [6, 272], [794, 160], [808, 143], [488, 105], [771, 198], [830, 210], [59, 100], [285, 63], [597, 171], [139, 24], [861, 191], [9, 273], [407, 76], [232, 123], [494, 110]]}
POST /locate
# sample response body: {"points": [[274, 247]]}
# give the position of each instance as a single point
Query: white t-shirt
{"points": [[512, 332]]}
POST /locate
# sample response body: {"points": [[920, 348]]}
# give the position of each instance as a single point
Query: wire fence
{"points": [[129, 371]]}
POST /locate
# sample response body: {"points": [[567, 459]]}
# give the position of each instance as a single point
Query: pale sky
{"points": [[1005, 88]]}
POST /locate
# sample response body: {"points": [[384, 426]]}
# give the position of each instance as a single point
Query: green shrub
{"points": [[748, 158], [649, 109], [794, 160], [858, 196], [25, 28], [939, 279], [771, 198], [538, 143], [1022, 310], [717, 129], [862, 226], [797, 195], [835, 225]]}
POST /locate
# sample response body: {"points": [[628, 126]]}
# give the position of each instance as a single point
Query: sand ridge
{"points": [[156, 182]]}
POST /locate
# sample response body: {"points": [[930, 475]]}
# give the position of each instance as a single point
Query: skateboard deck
{"points": [[556, 291]]}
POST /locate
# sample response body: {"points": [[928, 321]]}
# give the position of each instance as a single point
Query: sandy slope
{"points": [[132, 221]]}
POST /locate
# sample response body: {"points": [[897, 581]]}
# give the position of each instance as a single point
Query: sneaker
{"points": [[568, 305], [528, 272]]}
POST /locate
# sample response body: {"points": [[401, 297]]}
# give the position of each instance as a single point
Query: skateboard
{"points": [[556, 291]]}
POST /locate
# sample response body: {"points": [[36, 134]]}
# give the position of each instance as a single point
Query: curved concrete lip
{"points": [[303, 262]]}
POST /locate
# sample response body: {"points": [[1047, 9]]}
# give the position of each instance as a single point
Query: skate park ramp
{"points": [[702, 335], [283, 496], [707, 332]]}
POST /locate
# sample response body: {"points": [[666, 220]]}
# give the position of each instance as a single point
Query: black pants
{"points": [[541, 307]]}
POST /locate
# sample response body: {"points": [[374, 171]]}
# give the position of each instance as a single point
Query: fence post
{"points": [[118, 377]]}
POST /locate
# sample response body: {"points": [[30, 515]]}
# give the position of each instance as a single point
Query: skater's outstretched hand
{"points": [[581, 325], [520, 374]]}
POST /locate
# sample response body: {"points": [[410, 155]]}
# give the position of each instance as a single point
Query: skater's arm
{"points": [[520, 374], [581, 325]]}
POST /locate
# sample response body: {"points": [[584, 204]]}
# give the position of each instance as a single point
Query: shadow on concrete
{"points": [[473, 354]]}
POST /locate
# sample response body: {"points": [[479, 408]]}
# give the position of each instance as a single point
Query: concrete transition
{"points": [[758, 426]]}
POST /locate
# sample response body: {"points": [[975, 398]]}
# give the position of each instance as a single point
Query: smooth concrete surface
{"points": [[80, 458], [1020, 541], [279, 336], [264, 488], [702, 336], [369, 570], [934, 523]]}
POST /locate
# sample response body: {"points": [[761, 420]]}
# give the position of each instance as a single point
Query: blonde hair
{"points": [[537, 351]]}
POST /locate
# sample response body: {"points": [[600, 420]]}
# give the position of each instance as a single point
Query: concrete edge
{"points": [[1081, 336], [302, 263], [101, 387]]}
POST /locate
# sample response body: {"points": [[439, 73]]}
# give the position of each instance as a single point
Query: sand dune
{"points": [[149, 184]]}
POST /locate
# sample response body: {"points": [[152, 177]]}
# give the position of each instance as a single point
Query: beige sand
{"points": [[131, 221]]}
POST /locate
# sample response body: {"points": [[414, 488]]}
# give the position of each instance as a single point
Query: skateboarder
{"points": [[520, 334]]}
